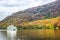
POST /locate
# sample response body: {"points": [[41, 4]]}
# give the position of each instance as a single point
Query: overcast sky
{"points": [[7, 7]]}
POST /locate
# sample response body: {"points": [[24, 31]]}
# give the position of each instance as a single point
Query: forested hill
{"points": [[46, 11]]}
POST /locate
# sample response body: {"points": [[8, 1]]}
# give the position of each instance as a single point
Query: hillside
{"points": [[52, 23], [48, 11]]}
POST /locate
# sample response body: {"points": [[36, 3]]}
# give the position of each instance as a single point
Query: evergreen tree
{"points": [[48, 15]]}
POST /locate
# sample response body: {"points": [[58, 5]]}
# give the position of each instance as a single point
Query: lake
{"points": [[31, 34]]}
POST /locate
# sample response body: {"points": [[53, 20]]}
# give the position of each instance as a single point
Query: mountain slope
{"points": [[47, 11], [46, 23]]}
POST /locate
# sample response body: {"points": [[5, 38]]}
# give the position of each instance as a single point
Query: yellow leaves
{"points": [[50, 25], [58, 24], [47, 23]]}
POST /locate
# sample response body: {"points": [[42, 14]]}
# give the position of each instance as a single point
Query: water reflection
{"points": [[31, 35], [3, 35], [43, 34], [12, 35]]}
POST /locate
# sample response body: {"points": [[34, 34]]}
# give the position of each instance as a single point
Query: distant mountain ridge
{"points": [[47, 11]]}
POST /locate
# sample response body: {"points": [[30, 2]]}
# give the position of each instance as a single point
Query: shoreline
{"points": [[3, 29]]}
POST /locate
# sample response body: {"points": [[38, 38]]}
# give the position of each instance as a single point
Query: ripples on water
{"points": [[31, 35]]}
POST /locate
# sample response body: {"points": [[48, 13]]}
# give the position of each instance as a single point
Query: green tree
{"points": [[48, 15]]}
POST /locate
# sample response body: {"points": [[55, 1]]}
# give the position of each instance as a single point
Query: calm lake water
{"points": [[40, 34]]}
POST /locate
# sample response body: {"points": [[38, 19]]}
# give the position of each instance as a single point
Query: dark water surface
{"points": [[40, 34]]}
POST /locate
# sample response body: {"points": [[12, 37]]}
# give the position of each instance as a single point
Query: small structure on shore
{"points": [[11, 28]]}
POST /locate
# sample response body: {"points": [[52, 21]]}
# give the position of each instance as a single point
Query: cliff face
{"points": [[47, 11]]}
